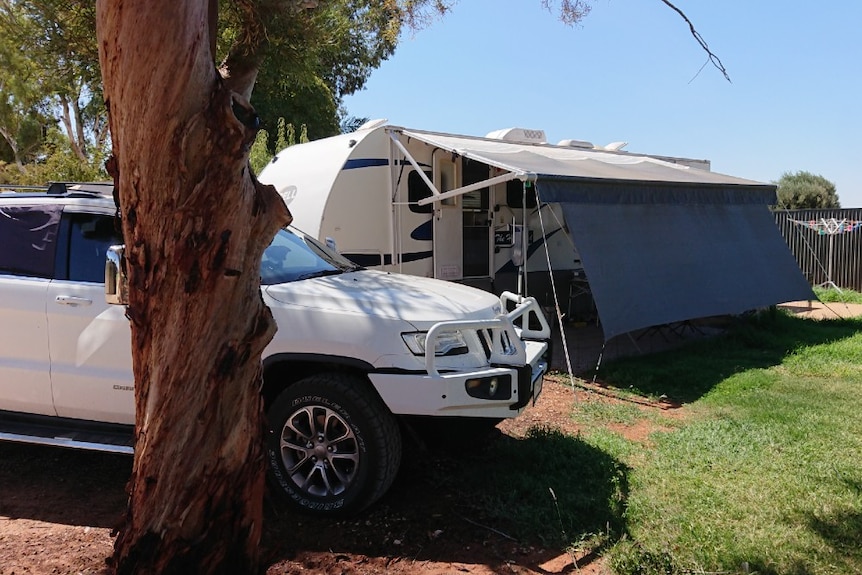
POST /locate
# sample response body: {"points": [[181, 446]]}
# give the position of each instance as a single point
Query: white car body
{"points": [[353, 312], [65, 353]]}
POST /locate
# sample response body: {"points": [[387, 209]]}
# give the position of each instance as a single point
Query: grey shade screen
{"points": [[658, 254]]}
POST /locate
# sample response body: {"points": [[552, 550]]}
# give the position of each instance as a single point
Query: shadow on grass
{"points": [[549, 486], [843, 532], [686, 373], [526, 500]]}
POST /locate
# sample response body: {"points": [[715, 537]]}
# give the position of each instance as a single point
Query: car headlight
{"points": [[447, 343]]}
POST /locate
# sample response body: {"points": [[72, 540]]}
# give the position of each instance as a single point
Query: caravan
{"points": [[389, 198], [510, 211], [401, 200]]}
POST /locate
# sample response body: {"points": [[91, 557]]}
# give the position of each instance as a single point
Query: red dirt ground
{"points": [[57, 508]]}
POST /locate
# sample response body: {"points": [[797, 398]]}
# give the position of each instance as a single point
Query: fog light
{"points": [[495, 387]]}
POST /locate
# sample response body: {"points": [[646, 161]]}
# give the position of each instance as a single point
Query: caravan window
{"points": [[515, 194], [475, 172], [417, 190]]}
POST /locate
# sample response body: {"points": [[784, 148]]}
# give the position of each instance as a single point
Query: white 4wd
{"points": [[364, 349]]}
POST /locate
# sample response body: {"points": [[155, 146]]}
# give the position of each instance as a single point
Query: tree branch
{"points": [[79, 126], [571, 11], [10, 140], [70, 130], [712, 57], [240, 67]]}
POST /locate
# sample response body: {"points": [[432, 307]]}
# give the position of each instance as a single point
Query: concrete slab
{"points": [[819, 310]]}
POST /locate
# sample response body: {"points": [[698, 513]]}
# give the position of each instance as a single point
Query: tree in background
{"points": [[21, 120], [804, 190], [326, 54], [260, 155], [50, 79]]}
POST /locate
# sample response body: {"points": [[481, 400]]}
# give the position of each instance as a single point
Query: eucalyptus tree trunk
{"points": [[195, 223]]}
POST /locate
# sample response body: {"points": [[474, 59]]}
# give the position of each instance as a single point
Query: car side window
{"points": [[28, 236], [90, 237]]}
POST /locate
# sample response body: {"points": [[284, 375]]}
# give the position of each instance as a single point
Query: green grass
{"points": [[833, 295], [766, 475], [763, 475], [600, 413]]}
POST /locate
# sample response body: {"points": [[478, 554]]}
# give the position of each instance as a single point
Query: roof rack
{"points": [[80, 188]]}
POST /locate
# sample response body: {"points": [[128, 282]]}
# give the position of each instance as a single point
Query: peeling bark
{"points": [[195, 224]]}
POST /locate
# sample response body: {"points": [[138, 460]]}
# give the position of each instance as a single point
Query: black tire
{"points": [[333, 446]]}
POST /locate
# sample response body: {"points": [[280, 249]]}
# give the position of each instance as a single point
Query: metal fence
{"points": [[827, 244]]}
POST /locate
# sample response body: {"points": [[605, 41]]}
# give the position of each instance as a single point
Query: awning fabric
{"points": [[585, 164], [660, 242], [657, 256]]}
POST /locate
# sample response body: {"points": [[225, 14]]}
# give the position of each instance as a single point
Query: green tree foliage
{"points": [[21, 119], [58, 163], [317, 57], [52, 117], [307, 62], [804, 190], [351, 123], [57, 39], [260, 156]]}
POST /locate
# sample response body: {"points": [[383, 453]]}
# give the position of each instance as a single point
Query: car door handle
{"points": [[72, 300]]}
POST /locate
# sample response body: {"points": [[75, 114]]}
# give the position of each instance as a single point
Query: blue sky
{"points": [[629, 72]]}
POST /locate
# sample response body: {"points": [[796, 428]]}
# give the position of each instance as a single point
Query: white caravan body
{"points": [[395, 199]]}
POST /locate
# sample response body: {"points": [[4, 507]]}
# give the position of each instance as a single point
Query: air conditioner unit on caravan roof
{"points": [[522, 135]]}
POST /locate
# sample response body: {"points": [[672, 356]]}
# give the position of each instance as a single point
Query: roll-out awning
{"points": [[657, 255], [660, 242]]}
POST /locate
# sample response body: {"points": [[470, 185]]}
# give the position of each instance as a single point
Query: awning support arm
{"points": [[478, 185], [415, 164], [439, 196]]}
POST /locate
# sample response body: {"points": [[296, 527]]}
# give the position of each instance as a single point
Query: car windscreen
{"points": [[294, 256]]}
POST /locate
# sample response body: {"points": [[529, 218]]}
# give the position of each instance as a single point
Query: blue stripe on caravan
{"points": [[423, 232], [356, 163], [416, 256], [369, 260]]}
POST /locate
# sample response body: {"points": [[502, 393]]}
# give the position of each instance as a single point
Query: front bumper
{"points": [[514, 354], [445, 394]]}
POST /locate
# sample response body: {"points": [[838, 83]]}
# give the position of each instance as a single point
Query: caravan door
{"points": [[448, 227], [477, 220]]}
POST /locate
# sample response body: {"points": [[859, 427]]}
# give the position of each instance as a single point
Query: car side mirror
{"points": [[116, 280]]}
